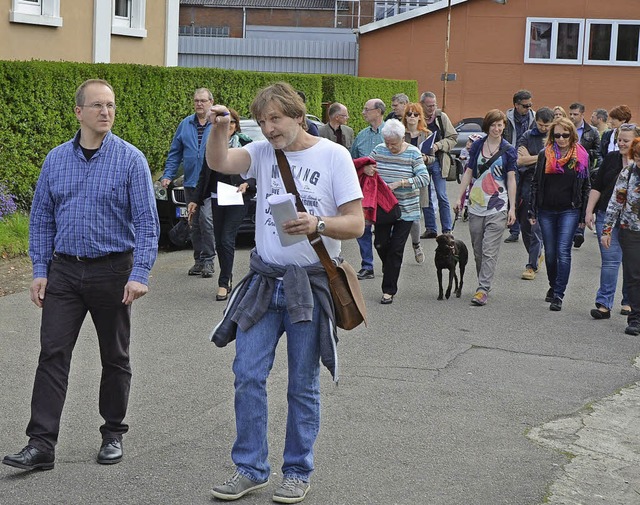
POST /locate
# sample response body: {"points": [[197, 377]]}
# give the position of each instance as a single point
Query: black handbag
{"points": [[179, 235]]}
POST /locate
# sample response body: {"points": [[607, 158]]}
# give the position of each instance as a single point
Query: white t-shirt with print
{"points": [[325, 177]]}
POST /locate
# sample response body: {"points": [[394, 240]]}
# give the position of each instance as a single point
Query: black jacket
{"points": [[208, 180], [604, 142], [579, 198], [591, 142]]}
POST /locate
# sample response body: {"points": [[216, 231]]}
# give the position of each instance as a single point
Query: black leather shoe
{"points": [[578, 240], [110, 451], [556, 305], [600, 313], [30, 458], [549, 296]]}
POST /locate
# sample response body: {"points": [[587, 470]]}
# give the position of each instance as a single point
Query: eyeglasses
{"points": [[343, 115], [561, 135], [201, 100], [413, 114], [526, 105], [367, 110], [99, 106], [625, 127], [233, 121]]}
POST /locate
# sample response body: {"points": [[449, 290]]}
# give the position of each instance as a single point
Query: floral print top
{"points": [[625, 201]]}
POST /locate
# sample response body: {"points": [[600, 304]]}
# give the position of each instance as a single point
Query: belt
{"points": [[84, 259]]}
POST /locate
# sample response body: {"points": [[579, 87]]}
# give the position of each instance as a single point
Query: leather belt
{"points": [[84, 259]]}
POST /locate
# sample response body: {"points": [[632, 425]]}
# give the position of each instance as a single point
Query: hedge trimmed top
{"points": [[37, 99]]}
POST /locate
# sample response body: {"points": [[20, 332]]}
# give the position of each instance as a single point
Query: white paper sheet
{"points": [[283, 208], [229, 195]]}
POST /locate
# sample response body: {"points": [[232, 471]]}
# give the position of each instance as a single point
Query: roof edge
{"points": [[406, 16]]}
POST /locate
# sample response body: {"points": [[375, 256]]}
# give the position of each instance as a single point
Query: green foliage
{"points": [[355, 91], [37, 100], [14, 235]]}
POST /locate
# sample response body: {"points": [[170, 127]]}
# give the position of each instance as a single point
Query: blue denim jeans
{"points": [[531, 237], [611, 261], [204, 249], [255, 352], [440, 185], [558, 228], [365, 243]]}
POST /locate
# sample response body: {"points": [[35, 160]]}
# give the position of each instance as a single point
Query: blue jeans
{"points": [[255, 351], [440, 185], [611, 261], [531, 237], [558, 227], [204, 249], [365, 243]]}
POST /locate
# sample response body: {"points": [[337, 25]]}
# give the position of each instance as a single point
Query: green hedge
{"points": [[37, 99]]}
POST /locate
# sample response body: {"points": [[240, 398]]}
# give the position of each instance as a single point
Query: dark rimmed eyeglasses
{"points": [[526, 105], [413, 114], [627, 127], [561, 135]]}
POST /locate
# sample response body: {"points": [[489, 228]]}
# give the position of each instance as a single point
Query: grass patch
{"points": [[14, 235]]}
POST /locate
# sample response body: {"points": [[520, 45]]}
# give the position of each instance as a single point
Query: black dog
{"points": [[449, 253]]}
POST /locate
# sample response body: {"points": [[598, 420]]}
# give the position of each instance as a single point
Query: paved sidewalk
{"points": [[439, 403]]}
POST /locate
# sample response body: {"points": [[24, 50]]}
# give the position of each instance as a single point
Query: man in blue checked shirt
{"points": [[93, 238]]}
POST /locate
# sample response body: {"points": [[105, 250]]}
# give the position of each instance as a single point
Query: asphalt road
{"points": [[438, 402]]}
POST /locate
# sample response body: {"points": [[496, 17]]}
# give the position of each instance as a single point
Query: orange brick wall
{"points": [[487, 54]]}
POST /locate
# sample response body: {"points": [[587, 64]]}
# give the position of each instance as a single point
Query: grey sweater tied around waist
{"points": [[250, 300]]}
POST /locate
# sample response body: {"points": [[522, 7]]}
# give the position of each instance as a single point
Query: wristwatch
{"points": [[321, 225]]}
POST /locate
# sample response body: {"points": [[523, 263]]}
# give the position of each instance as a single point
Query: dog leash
{"points": [[455, 218]]}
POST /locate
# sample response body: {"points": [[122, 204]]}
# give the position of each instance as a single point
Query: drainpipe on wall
{"points": [[244, 22], [357, 33]]}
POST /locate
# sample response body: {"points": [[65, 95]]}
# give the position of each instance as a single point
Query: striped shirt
{"points": [[96, 207], [407, 165]]}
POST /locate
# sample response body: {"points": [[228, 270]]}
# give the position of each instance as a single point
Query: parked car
{"points": [[466, 127], [172, 205]]}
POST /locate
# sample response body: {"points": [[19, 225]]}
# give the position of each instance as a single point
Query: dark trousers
{"points": [[389, 241], [226, 222], [73, 289], [630, 244]]}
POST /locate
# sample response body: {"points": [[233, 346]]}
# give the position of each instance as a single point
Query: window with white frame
{"points": [[128, 18], [36, 12], [554, 41], [612, 42], [390, 8], [583, 41]]}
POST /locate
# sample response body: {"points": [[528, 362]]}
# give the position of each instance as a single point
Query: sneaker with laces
{"points": [[529, 274], [292, 490], [207, 269], [479, 299], [419, 253], [196, 269], [236, 487]]}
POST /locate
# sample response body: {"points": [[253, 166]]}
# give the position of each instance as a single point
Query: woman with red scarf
{"points": [[559, 195]]}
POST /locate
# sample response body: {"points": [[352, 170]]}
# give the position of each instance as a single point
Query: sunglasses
{"points": [[526, 105], [561, 135], [628, 127], [413, 114]]}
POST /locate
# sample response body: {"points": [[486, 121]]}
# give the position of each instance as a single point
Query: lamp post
{"points": [[445, 77]]}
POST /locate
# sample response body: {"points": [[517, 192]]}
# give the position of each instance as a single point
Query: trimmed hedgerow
{"points": [[37, 99]]}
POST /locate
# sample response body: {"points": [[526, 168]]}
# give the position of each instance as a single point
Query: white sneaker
{"points": [[419, 253]]}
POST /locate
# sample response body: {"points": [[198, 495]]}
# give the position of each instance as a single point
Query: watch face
{"points": [[320, 227]]}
